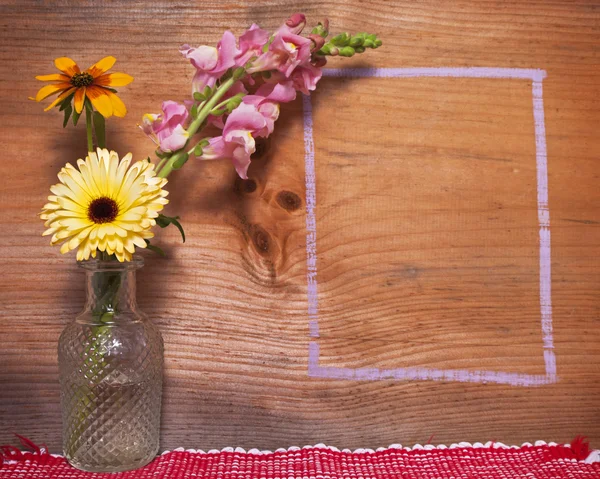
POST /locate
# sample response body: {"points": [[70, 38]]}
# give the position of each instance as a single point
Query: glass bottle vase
{"points": [[111, 369]]}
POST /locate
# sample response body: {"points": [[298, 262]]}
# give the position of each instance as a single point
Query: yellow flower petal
{"points": [[53, 77], [48, 90], [113, 79], [60, 98], [102, 66], [119, 108], [78, 100], [67, 66], [101, 101]]}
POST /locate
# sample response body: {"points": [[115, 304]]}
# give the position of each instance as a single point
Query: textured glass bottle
{"points": [[110, 360]]}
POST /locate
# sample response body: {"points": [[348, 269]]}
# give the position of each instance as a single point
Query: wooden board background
{"points": [[426, 217]]}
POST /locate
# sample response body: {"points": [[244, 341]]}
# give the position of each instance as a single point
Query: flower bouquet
{"points": [[111, 356]]}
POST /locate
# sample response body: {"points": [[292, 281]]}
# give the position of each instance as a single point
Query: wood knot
{"points": [[261, 239], [288, 200], [245, 186], [261, 145]]}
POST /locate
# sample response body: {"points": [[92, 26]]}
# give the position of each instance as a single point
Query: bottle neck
{"points": [[110, 291], [110, 288]]}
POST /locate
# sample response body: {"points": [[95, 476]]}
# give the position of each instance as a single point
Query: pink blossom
{"points": [[266, 100], [251, 44], [285, 53], [305, 78], [237, 141], [167, 129], [211, 63]]}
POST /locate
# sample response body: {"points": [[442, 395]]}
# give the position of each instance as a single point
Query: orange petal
{"points": [[60, 98], [53, 77], [78, 100], [48, 90], [114, 79], [100, 67], [67, 66], [119, 108], [100, 99]]}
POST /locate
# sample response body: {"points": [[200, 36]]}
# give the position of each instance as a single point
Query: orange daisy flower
{"points": [[93, 83]]}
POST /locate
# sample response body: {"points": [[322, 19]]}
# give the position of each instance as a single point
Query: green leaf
{"points": [[164, 221], [207, 92], [180, 161], [199, 96], [198, 150], [161, 154], [154, 248], [68, 110], [66, 102], [218, 111], [194, 111], [76, 116], [88, 105], [100, 129]]}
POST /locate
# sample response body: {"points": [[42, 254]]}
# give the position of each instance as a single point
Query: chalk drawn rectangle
{"points": [[536, 77]]}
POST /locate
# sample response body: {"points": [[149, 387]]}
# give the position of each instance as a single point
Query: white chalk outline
{"points": [[462, 375]]}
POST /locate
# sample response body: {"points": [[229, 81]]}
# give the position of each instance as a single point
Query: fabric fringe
{"points": [[578, 451]]}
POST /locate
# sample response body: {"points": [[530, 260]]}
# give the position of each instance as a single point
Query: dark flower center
{"points": [[82, 79], [103, 210]]}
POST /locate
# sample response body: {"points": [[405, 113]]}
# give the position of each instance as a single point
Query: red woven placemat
{"points": [[461, 461]]}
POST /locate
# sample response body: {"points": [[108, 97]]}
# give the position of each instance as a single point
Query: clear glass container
{"points": [[111, 370]]}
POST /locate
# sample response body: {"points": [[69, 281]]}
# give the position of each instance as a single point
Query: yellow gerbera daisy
{"points": [[104, 205], [93, 83]]}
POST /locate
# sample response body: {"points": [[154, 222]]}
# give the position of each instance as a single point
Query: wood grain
{"points": [[426, 219]]}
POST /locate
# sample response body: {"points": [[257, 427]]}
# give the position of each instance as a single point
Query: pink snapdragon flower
{"points": [[251, 42], [210, 62], [306, 77], [167, 129], [266, 100], [286, 52], [237, 141]]}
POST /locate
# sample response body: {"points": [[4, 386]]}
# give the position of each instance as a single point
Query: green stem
{"points": [[195, 125], [88, 127], [160, 164]]}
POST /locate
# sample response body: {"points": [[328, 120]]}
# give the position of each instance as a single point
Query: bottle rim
{"points": [[97, 264]]}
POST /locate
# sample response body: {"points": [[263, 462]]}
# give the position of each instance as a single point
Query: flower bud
{"points": [[317, 42], [347, 52], [296, 22], [340, 40], [326, 49], [356, 41], [319, 61], [321, 29], [359, 49]]}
